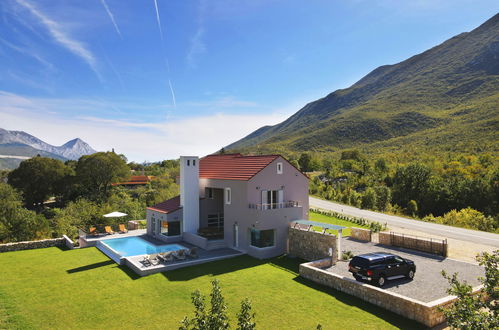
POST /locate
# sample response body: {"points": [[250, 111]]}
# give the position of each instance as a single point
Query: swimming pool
{"points": [[133, 246]]}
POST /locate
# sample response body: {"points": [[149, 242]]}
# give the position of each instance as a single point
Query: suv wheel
{"points": [[410, 274], [381, 281]]}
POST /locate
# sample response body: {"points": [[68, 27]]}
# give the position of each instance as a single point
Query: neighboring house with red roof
{"points": [[135, 181], [230, 200]]}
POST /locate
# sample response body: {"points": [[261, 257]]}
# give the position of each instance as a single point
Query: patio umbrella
{"points": [[115, 215]]}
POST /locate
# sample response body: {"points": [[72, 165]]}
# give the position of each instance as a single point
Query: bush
{"points": [[466, 218]]}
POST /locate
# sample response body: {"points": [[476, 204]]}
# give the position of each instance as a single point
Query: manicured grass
{"points": [[335, 221], [53, 289]]}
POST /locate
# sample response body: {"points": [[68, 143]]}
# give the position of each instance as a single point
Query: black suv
{"points": [[379, 267]]}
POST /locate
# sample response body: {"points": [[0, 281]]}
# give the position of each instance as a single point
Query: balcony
{"points": [[273, 206]]}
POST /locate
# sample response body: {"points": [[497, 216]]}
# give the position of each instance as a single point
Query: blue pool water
{"points": [[133, 246]]}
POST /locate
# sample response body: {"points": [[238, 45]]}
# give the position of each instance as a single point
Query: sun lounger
{"points": [[179, 255], [123, 229], [93, 231], [150, 260], [165, 257], [108, 230], [192, 252]]}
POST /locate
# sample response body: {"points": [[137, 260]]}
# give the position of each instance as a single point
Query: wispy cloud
{"points": [[197, 46], [27, 52], [111, 16], [59, 34]]}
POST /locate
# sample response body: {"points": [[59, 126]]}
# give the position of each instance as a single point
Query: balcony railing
{"points": [[272, 206]]}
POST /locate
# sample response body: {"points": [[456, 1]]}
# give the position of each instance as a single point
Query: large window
{"points": [[170, 228], [262, 238]]}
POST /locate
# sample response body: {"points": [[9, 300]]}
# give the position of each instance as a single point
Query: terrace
{"points": [[135, 263]]}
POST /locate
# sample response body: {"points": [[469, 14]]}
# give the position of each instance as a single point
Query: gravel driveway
{"points": [[428, 284]]}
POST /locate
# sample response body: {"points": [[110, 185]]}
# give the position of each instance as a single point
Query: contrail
{"points": [[164, 52], [173, 93], [111, 16], [158, 19]]}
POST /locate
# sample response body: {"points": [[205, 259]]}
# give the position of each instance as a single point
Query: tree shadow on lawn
{"points": [[89, 267], [292, 265], [213, 268]]}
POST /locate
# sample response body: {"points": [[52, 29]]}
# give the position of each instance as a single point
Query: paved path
{"points": [[425, 227]]}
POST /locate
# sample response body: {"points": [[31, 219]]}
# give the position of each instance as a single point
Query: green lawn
{"points": [[53, 289], [335, 221]]}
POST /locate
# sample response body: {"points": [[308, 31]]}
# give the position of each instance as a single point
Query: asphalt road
{"points": [[427, 227]]}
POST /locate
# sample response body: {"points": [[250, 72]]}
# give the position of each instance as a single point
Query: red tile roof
{"points": [[168, 206], [233, 166], [136, 179]]}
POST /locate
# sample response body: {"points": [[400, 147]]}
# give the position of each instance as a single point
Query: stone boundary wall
{"points": [[425, 313], [28, 245], [429, 245], [384, 238], [361, 234], [311, 245]]}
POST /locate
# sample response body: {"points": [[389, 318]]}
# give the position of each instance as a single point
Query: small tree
{"points": [[475, 311], [245, 318], [412, 207], [216, 318]]}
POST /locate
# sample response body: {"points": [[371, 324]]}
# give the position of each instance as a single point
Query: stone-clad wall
{"points": [[28, 245], [384, 238], [426, 313], [311, 245], [429, 245], [361, 234]]}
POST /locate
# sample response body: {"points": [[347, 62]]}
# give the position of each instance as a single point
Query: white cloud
{"points": [[139, 141], [59, 34]]}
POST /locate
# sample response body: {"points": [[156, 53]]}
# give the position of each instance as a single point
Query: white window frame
{"points": [[279, 168], [228, 196]]}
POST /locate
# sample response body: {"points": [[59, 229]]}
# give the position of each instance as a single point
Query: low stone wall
{"points": [[429, 245], [384, 238], [425, 313], [311, 245], [28, 245], [361, 234]]}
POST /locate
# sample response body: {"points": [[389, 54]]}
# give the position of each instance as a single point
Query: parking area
{"points": [[428, 284]]}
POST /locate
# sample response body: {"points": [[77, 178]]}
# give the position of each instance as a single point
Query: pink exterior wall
{"points": [[294, 182]]}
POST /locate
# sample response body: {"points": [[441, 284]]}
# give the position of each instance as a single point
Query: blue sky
{"points": [[155, 79]]}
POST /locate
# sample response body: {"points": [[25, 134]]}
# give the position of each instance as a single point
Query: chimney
{"points": [[189, 192]]}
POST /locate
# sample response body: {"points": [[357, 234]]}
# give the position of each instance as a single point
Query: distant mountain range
{"points": [[444, 99], [16, 146]]}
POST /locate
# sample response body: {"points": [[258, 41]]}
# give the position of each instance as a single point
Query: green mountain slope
{"points": [[445, 99]]}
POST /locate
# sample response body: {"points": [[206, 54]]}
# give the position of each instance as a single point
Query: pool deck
{"points": [[135, 262], [92, 240]]}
